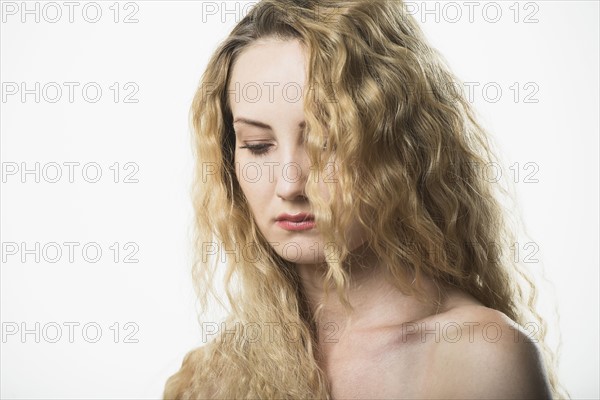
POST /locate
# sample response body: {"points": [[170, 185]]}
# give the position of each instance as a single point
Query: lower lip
{"points": [[296, 226]]}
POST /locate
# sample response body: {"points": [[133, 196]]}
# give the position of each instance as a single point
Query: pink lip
{"points": [[296, 222]]}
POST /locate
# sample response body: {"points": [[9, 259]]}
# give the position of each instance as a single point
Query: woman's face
{"points": [[266, 93]]}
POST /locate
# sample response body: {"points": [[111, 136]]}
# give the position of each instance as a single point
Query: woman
{"points": [[364, 252]]}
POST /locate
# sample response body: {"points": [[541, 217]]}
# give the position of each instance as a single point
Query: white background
{"points": [[164, 54]]}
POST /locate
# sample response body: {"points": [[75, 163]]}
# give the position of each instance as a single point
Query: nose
{"points": [[291, 182]]}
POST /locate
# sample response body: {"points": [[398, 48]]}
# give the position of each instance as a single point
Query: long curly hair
{"points": [[409, 156]]}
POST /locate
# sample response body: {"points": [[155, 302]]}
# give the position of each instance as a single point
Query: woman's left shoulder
{"points": [[479, 322], [482, 353]]}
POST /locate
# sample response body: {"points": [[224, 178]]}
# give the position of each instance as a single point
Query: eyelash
{"points": [[257, 149], [262, 149]]}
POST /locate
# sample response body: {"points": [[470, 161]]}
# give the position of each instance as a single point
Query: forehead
{"points": [[267, 77]]}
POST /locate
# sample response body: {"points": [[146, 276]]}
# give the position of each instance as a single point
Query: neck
{"points": [[376, 302]]}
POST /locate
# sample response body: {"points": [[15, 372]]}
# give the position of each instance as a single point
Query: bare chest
{"points": [[361, 368]]}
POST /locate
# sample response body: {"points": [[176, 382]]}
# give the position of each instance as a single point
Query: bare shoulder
{"points": [[481, 353]]}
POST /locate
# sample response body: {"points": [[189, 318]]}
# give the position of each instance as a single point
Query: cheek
{"points": [[328, 178], [324, 190], [356, 233], [253, 179]]}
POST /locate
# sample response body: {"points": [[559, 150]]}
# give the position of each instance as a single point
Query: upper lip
{"points": [[296, 217]]}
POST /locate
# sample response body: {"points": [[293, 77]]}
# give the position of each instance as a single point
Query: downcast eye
{"points": [[257, 149]]}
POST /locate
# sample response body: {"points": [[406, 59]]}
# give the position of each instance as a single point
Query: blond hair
{"points": [[407, 144]]}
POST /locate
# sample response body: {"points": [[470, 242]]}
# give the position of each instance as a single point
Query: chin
{"points": [[311, 259], [301, 251]]}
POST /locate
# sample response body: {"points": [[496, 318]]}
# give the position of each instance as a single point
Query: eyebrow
{"points": [[259, 124]]}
